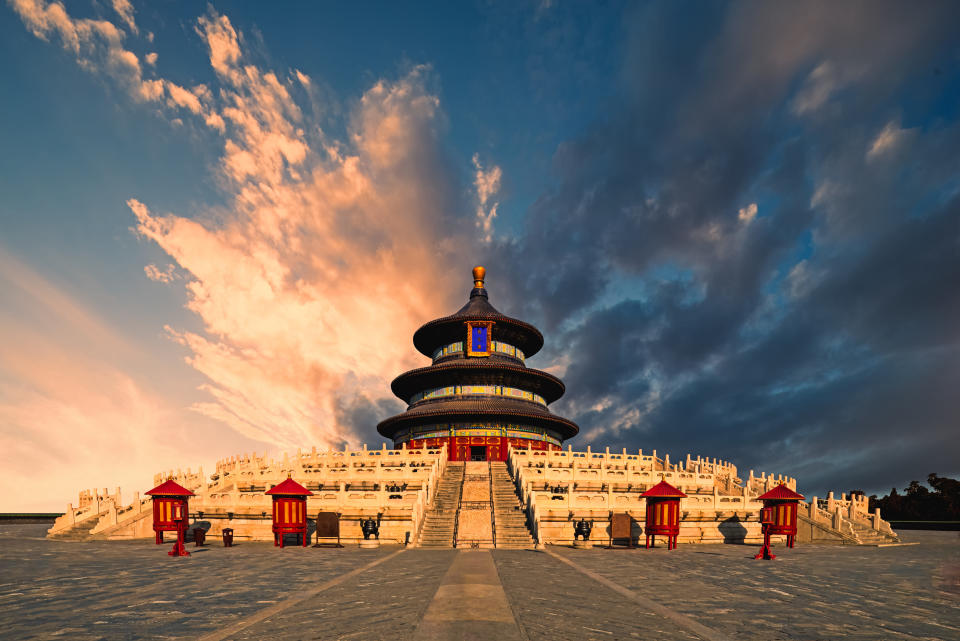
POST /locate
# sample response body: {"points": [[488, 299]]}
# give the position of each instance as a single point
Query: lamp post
{"points": [[179, 516]]}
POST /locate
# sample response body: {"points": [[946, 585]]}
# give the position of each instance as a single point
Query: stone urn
{"points": [[582, 528], [368, 527]]}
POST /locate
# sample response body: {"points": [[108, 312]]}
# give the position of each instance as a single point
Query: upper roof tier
{"points": [[449, 329]]}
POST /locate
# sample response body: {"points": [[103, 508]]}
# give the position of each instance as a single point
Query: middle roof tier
{"points": [[477, 372]]}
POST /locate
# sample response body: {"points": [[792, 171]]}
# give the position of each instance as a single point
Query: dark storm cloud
{"points": [[360, 414], [818, 338]]}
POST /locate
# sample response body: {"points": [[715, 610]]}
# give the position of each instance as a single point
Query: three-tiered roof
{"points": [[478, 395]]}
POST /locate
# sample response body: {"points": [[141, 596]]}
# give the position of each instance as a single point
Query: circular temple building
{"points": [[478, 396]]}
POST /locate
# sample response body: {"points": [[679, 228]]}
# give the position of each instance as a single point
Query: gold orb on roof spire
{"points": [[478, 273]]}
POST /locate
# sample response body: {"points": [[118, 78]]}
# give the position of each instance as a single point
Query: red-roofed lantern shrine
{"points": [[779, 516], [289, 510], [171, 513], [478, 396], [663, 513]]}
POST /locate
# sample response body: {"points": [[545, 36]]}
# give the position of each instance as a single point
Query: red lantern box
{"points": [[779, 516], [663, 513], [170, 512], [289, 510]]}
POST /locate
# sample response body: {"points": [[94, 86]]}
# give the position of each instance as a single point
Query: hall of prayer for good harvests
{"points": [[478, 397], [478, 460]]}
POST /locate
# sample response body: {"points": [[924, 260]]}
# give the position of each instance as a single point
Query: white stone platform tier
{"points": [[582, 545], [369, 544]]}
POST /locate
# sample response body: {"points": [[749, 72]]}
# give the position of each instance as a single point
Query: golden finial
{"points": [[478, 273], [663, 477], [289, 475]]}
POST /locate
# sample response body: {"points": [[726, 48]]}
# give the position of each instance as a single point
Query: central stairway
{"points": [[475, 517], [476, 505]]}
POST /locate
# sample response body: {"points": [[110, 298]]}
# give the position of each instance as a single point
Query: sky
{"points": [[737, 226]]}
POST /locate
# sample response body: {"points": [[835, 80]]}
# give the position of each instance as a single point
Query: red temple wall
{"points": [[458, 447]]}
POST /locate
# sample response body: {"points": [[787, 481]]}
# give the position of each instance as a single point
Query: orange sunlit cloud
{"points": [[308, 284]]}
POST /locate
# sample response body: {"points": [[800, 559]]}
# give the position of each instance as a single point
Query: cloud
{"points": [[98, 48], [806, 341], [822, 83], [180, 97], [97, 44], [769, 343], [166, 275], [487, 184], [311, 278], [125, 10], [320, 238], [887, 141], [223, 44], [71, 418]]}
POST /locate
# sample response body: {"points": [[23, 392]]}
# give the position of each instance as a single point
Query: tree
{"points": [[920, 504]]}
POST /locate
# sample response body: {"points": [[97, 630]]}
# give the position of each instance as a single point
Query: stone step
{"points": [[509, 520], [440, 520], [80, 531]]}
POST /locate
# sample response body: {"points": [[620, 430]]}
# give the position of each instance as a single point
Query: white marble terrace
{"points": [[555, 488]]}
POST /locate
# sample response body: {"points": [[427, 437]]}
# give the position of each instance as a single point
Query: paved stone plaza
{"points": [[133, 590]]}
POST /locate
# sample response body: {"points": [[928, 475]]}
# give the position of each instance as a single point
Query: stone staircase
{"points": [[476, 505], [868, 536], [439, 524], [80, 531], [850, 532], [510, 522]]}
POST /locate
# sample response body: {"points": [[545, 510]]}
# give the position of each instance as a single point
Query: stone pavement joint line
{"points": [[682, 620], [257, 617], [470, 603]]}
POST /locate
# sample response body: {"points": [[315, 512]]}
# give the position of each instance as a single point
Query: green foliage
{"points": [[920, 504]]}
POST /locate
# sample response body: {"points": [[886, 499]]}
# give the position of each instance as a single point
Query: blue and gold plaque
{"points": [[478, 337]]}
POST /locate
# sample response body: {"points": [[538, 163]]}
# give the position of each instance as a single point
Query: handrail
{"points": [[456, 516], [493, 508]]}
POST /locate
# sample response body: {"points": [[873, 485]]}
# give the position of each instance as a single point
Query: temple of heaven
{"points": [[478, 396]]}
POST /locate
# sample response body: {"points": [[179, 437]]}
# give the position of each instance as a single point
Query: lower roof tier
{"points": [[480, 410], [512, 431]]}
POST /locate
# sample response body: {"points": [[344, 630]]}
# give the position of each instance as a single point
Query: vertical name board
{"points": [[479, 337]]}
